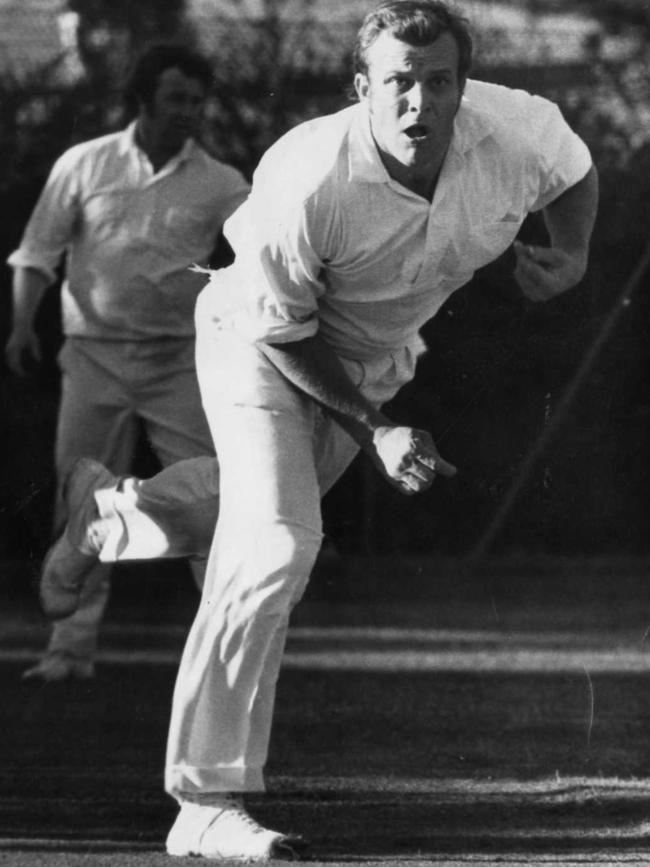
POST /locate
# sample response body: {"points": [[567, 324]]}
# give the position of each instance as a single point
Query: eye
{"points": [[398, 83], [439, 81]]}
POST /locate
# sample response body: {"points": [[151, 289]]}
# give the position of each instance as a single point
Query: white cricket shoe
{"points": [[225, 830]]}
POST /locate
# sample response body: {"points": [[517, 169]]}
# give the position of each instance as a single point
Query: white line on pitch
{"points": [[511, 660]]}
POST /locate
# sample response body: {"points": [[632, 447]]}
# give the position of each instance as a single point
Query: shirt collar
{"points": [[129, 143], [471, 125], [364, 161]]}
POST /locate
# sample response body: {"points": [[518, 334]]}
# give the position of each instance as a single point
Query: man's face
{"points": [[413, 94], [176, 109]]}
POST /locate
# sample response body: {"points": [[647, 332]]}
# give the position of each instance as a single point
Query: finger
{"points": [[547, 257], [438, 465], [534, 283], [413, 484], [429, 461], [403, 486], [530, 289], [529, 267], [421, 471], [445, 469], [523, 252]]}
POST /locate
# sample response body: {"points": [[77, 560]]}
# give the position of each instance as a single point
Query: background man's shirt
{"points": [[130, 235]]}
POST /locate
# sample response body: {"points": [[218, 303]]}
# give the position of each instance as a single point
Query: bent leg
{"points": [[177, 430], [172, 514]]}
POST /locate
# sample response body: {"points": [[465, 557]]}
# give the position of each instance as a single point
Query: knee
{"points": [[285, 556], [291, 547]]}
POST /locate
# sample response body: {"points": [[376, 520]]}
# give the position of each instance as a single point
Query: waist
{"points": [[359, 347]]}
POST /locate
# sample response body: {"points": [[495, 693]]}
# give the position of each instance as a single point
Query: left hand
{"points": [[408, 458], [544, 272]]}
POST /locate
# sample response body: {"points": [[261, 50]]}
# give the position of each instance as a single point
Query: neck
{"points": [[424, 186], [159, 152], [422, 183], [421, 180]]}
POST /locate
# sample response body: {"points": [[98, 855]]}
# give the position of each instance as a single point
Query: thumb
{"points": [[444, 468], [440, 466], [545, 256]]}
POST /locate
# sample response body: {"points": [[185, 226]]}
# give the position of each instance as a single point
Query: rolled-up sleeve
{"points": [[270, 294], [52, 222], [564, 158]]}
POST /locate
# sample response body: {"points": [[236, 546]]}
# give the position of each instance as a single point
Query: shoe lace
{"points": [[241, 815]]}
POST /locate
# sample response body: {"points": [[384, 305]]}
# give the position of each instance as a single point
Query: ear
{"points": [[361, 85]]}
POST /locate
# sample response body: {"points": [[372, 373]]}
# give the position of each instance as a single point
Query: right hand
{"points": [[408, 458], [22, 347]]}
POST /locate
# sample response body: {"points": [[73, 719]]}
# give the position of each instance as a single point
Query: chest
{"points": [[135, 207], [395, 243]]}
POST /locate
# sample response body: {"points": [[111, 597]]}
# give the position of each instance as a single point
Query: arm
{"points": [[29, 286], [544, 272], [46, 236], [405, 456]]}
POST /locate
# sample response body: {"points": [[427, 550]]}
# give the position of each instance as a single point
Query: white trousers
{"points": [[278, 454]]}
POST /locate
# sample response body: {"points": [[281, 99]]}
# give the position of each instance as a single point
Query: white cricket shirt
{"points": [[328, 242]]}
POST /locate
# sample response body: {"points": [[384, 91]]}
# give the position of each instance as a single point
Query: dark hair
{"points": [[418, 23], [142, 82]]}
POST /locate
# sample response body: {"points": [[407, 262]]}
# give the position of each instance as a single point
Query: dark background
{"points": [[497, 367]]}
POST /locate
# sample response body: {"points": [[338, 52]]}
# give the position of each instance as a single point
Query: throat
{"points": [[421, 180], [424, 186], [159, 153]]}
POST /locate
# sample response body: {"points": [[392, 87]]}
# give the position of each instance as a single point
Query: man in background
{"points": [[131, 212]]}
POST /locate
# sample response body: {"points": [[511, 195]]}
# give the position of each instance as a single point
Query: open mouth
{"points": [[416, 132]]}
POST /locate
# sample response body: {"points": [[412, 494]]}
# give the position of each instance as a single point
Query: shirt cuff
{"points": [[25, 259]]}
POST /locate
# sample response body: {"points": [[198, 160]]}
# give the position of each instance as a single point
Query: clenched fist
{"points": [[408, 458]]}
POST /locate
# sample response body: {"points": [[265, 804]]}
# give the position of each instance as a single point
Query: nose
{"points": [[419, 98], [190, 109]]}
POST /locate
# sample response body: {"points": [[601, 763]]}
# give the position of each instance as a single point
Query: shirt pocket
{"points": [[106, 215]]}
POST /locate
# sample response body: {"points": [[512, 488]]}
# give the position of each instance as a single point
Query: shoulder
{"points": [[512, 116], [503, 104], [214, 167], [309, 156], [91, 150]]}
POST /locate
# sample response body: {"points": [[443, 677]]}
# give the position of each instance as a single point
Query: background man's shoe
{"points": [[70, 559], [56, 667], [225, 830]]}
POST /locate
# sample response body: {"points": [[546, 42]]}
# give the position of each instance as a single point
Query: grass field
{"points": [[467, 728]]}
